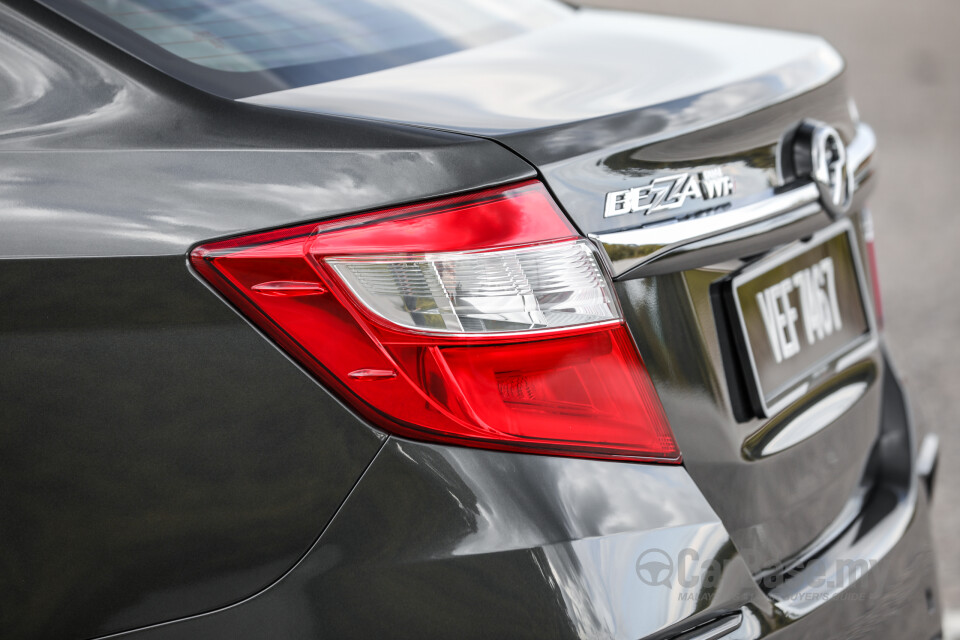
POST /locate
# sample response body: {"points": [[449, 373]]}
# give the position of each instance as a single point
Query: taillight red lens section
{"points": [[868, 237], [481, 320]]}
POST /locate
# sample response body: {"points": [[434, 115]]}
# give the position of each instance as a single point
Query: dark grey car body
{"points": [[170, 472]]}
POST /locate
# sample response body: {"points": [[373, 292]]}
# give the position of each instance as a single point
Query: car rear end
{"points": [[574, 331]]}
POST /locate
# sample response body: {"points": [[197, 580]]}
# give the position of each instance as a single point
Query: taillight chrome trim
{"points": [[645, 245]]}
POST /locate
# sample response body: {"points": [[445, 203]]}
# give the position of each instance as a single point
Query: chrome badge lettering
{"points": [[669, 192]]}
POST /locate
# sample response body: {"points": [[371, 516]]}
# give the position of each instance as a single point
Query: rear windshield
{"points": [[239, 48]]}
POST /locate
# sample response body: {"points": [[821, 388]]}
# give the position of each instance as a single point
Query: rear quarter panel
{"points": [[158, 456]]}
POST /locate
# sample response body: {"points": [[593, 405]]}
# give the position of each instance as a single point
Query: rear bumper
{"points": [[897, 598], [447, 542]]}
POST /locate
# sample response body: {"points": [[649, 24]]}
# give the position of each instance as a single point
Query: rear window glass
{"points": [[239, 48]]}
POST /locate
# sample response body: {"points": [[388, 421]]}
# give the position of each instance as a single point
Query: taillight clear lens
{"points": [[531, 288], [481, 320]]}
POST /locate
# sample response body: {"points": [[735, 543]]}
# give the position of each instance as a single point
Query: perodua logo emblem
{"points": [[819, 153]]}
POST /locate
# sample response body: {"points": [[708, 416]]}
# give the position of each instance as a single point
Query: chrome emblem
{"points": [[819, 153], [668, 192]]}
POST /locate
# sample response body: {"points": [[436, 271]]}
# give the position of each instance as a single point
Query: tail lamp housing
{"points": [[481, 320], [869, 239]]}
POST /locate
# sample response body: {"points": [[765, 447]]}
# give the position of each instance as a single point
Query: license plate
{"points": [[802, 314]]}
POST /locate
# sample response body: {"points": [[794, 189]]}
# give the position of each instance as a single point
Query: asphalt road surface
{"points": [[902, 63]]}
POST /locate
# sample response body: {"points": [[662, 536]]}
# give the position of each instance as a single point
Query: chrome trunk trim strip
{"points": [[647, 244]]}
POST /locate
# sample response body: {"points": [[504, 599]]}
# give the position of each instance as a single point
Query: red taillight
{"points": [[868, 238], [482, 320]]}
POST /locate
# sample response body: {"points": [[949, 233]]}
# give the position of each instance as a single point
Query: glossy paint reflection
{"points": [[774, 506], [160, 458], [501, 545], [135, 164], [39, 92], [478, 544], [115, 208], [544, 79], [581, 173], [202, 490]]}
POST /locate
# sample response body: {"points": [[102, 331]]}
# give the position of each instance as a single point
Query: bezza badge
{"points": [[669, 192]]}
